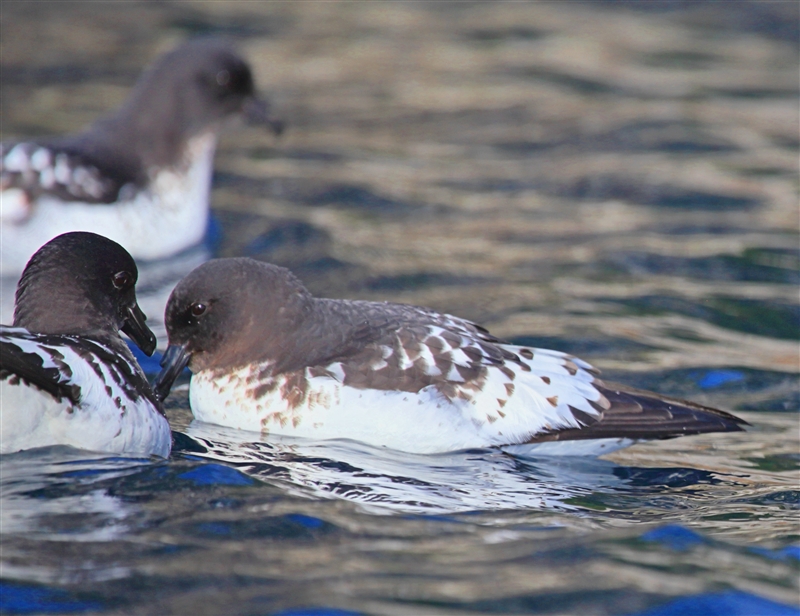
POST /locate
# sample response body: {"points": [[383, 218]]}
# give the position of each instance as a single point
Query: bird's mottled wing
{"points": [[49, 361], [65, 173], [22, 359], [512, 393]]}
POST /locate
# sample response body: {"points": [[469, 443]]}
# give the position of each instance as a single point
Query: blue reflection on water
{"points": [[306, 520], [715, 378], [675, 537], [790, 551], [150, 365], [216, 474], [24, 599], [730, 603]]}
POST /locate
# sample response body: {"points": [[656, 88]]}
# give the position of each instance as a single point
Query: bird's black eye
{"points": [[198, 309], [223, 78], [122, 280]]}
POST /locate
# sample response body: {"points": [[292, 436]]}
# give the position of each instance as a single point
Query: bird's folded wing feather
{"points": [[60, 171], [23, 359]]}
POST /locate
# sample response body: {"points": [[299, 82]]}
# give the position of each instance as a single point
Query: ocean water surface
{"points": [[615, 180]]}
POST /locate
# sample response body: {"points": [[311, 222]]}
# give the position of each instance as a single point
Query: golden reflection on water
{"points": [[523, 143]]}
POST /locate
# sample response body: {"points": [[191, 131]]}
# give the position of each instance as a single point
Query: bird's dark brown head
{"points": [[82, 284], [231, 312]]}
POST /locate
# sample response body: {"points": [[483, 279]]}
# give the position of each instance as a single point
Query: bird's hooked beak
{"points": [[135, 327], [175, 359], [257, 111]]}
